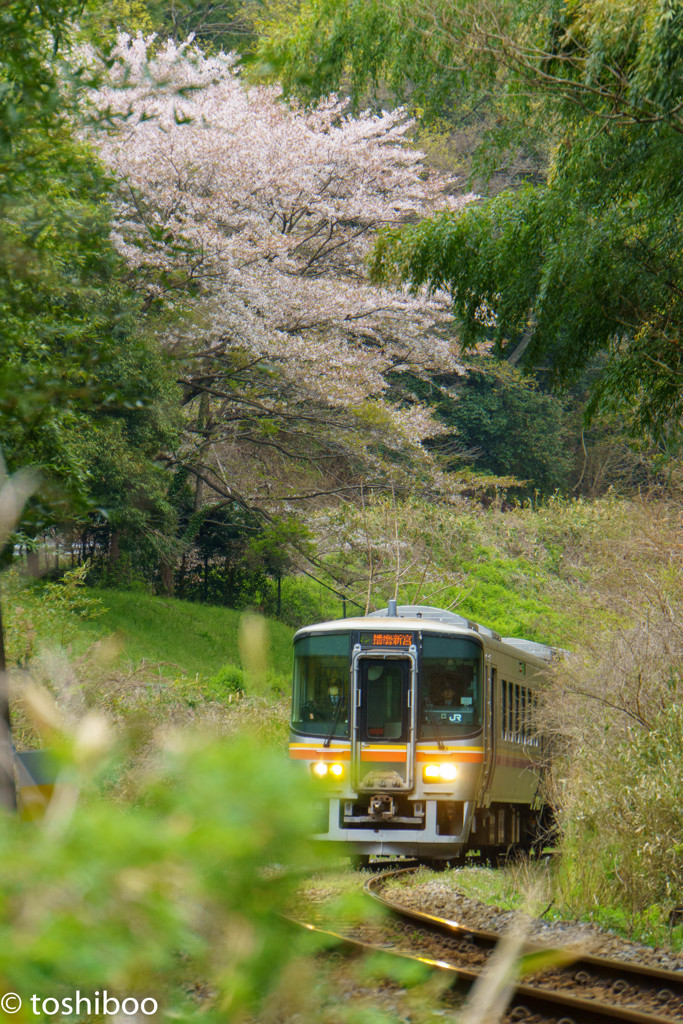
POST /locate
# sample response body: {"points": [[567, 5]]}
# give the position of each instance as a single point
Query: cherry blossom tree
{"points": [[246, 224]]}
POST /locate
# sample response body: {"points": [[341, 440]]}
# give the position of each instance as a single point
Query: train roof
{"points": [[417, 616]]}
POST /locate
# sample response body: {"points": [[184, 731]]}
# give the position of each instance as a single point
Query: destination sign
{"points": [[387, 639]]}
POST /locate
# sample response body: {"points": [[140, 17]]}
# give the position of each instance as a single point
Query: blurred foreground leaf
{"points": [[171, 896]]}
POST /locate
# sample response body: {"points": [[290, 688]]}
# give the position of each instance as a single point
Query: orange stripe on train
{"points": [[384, 754], [316, 754], [390, 756], [450, 755], [374, 754]]}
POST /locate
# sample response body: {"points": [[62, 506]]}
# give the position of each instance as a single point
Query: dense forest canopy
{"points": [[223, 308], [584, 266]]}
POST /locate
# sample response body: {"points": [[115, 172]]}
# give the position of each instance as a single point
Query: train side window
{"points": [[520, 721], [520, 716], [511, 713], [533, 719], [524, 730], [517, 718], [504, 709]]}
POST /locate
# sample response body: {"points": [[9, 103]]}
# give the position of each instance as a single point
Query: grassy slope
{"points": [[546, 574], [550, 574], [541, 573], [187, 638], [162, 668]]}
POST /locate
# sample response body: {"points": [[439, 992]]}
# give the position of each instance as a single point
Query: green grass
{"points": [[513, 596], [145, 660], [171, 637], [192, 639]]}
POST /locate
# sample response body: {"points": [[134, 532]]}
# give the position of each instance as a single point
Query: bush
{"points": [[617, 718], [304, 601], [165, 896], [635, 808], [228, 680]]}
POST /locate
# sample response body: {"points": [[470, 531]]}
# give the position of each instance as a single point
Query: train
{"points": [[418, 728]]}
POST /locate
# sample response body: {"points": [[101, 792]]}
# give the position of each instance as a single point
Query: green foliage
{"points": [[231, 682], [165, 634], [519, 429], [514, 570], [234, 554], [305, 600], [83, 398], [30, 96], [632, 822], [578, 267], [324, 45], [70, 597], [228, 679], [53, 612], [503, 424], [194, 637], [508, 595], [163, 897], [584, 265], [273, 546]]}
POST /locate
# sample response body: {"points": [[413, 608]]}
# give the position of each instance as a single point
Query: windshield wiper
{"points": [[437, 733], [328, 738]]}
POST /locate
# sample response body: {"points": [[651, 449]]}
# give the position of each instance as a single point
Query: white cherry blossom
{"points": [[255, 218]]}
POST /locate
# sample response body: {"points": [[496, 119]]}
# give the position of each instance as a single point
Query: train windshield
{"points": [[321, 685], [450, 700]]}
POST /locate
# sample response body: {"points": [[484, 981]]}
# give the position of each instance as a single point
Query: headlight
{"points": [[440, 772], [322, 770]]}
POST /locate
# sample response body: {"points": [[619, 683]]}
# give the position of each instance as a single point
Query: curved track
{"points": [[587, 990]]}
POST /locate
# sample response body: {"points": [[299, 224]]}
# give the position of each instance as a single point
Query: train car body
{"points": [[417, 726]]}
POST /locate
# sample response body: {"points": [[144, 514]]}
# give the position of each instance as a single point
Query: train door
{"points": [[384, 725]]}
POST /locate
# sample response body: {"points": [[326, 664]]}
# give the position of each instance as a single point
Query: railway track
{"points": [[586, 990]]}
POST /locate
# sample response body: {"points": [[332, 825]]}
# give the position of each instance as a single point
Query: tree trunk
{"points": [[202, 418], [8, 792], [114, 549], [32, 562], [167, 580]]}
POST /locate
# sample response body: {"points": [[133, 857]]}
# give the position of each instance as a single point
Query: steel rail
{"points": [[650, 979], [534, 1000], [604, 966]]}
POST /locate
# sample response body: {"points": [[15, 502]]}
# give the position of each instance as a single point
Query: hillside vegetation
{"points": [[602, 579], [266, 361]]}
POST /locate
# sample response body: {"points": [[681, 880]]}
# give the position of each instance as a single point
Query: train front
{"points": [[387, 714]]}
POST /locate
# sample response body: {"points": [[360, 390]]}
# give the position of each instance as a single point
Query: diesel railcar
{"points": [[418, 728]]}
